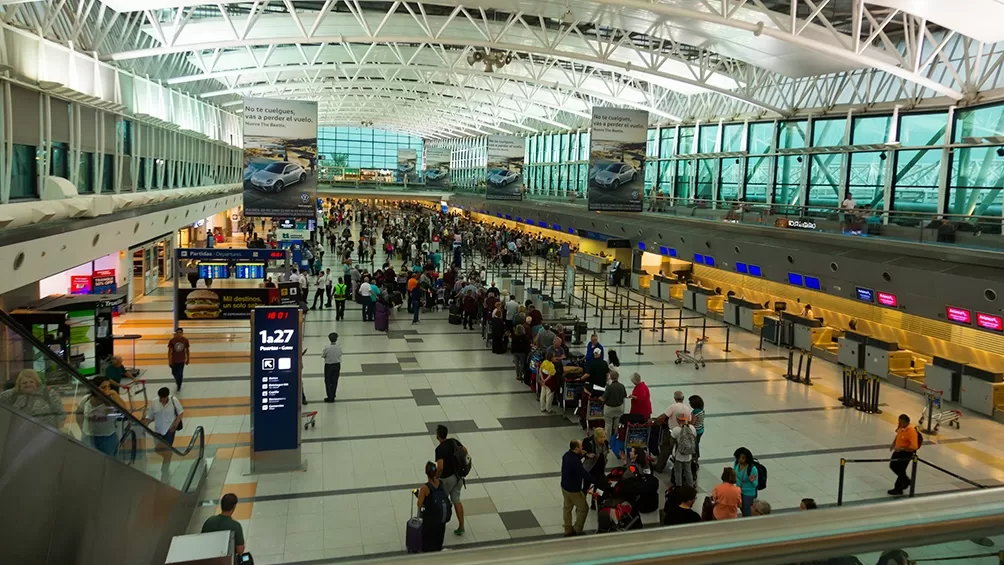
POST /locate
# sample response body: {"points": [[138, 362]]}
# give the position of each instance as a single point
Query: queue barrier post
{"points": [[679, 322], [760, 346], [840, 482], [704, 327], [597, 298], [686, 340], [662, 331], [728, 333], [620, 338], [639, 352]]}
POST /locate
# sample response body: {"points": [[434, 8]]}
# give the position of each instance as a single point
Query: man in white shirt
{"points": [[332, 355], [671, 417], [320, 283], [165, 414], [366, 299], [293, 276]]}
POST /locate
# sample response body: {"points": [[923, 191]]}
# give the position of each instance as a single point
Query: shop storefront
{"points": [[103, 275], [151, 265]]}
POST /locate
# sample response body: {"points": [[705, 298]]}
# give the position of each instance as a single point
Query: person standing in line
{"points": [[641, 397], [328, 286], [340, 291], [431, 510], [178, 355], [415, 298], [747, 478], [727, 496], [613, 403], [903, 448], [332, 355], [321, 282], [684, 440], [697, 419], [670, 418], [574, 480], [366, 299]]}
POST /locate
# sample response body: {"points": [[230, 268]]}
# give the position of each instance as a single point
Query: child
{"points": [[548, 382]]}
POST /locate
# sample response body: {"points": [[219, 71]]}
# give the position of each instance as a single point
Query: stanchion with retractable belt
{"points": [[639, 352], [620, 339], [679, 321], [850, 388], [704, 327], [597, 296], [662, 332], [686, 340], [728, 333]]}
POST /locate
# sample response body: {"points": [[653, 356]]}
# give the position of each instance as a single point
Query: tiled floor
{"points": [[368, 449]]}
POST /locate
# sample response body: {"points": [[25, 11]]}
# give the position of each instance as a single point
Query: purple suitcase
{"points": [[381, 318], [413, 533]]}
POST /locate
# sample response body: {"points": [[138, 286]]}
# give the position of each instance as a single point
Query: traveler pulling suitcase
{"points": [[455, 317], [381, 319], [413, 530]]}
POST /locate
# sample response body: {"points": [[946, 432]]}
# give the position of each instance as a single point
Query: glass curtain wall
{"points": [[915, 181], [555, 163], [977, 173], [364, 148]]}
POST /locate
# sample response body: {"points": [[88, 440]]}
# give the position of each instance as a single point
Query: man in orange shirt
{"points": [[903, 448]]}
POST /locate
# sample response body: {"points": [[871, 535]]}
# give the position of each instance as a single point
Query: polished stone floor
{"points": [[368, 449]]}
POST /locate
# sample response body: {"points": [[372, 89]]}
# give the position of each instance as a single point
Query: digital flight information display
{"points": [[214, 271], [250, 270], [275, 386]]}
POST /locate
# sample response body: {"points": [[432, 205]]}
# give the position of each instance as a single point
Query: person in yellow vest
{"points": [[340, 291]]}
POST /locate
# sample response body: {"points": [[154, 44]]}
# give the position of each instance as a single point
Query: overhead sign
{"points": [[504, 177], [275, 386], [292, 235], [617, 145], [280, 157], [220, 254], [989, 322], [437, 166], [407, 165]]}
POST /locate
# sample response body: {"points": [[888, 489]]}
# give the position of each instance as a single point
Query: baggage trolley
{"points": [[309, 419], [637, 435], [947, 417], [135, 389], [593, 416], [697, 357]]}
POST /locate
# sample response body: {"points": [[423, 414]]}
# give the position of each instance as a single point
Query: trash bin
{"points": [[579, 330]]}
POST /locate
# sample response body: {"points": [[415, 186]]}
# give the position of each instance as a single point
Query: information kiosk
{"points": [[276, 385]]}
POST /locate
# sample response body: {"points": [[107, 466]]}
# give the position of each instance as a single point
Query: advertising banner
{"points": [[80, 284], [437, 166], [280, 157], [407, 165], [222, 303], [103, 282], [505, 167], [617, 159]]}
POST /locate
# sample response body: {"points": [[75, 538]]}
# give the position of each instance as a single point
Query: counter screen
{"points": [[741, 268], [795, 279], [958, 315], [698, 258], [866, 294], [709, 260], [887, 299], [989, 322], [755, 271]]}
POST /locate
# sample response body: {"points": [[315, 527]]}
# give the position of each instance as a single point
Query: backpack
{"points": [[920, 437], [761, 475], [461, 460], [437, 506], [687, 443]]}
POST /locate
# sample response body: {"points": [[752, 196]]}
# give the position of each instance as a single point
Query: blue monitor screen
{"points": [[698, 258], [812, 282], [557, 227], [518, 218], [709, 260], [866, 294], [741, 268], [250, 270], [795, 279], [641, 245], [508, 217], [543, 224], [672, 252], [571, 231], [214, 271], [755, 271], [663, 250]]}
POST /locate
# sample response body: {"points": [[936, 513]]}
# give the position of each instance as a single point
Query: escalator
{"points": [[82, 478]]}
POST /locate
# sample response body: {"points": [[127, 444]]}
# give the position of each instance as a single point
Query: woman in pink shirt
{"points": [[727, 496], [641, 398]]}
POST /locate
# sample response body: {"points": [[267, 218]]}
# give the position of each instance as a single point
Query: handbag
{"points": [[708, 510], [181, 423]]}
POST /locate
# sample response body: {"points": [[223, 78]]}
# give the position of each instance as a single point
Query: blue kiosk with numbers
{"points": [[276, 385]]}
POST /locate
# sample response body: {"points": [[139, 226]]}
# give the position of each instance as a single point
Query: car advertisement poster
{"points": [[505, 167], [407, 165], [280, 158], [617, 159], [223, 303], [437, 166]]}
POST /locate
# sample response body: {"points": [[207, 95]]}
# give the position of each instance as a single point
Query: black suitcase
{"points": [[455, 318]]}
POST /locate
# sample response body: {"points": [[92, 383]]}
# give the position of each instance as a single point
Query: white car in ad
{"points": [[503, 177], [277, 176], [406, 167], [614, 175], [437, 174]]}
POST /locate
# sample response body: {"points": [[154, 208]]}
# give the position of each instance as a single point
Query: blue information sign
{"points": [[221, 254], [275, 386]]}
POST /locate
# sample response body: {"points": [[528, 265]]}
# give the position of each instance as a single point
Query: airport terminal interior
{"points": [[743, 257]]}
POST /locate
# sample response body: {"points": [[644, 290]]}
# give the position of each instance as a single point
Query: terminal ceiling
{"points": [[418, 66]]}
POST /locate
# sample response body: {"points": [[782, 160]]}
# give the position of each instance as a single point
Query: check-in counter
{"points": [[945, 375], [879, 354], [851, 350], [730, 313], [641, 281], [546, 307], [591, 263], [772, 330], [505, 280], [660, 287], [533, 295], [982, 389], [711, 303], [519, 290], [696, 298], [749, 314], [804, 331]]}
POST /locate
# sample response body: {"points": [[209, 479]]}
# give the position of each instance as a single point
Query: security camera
{"points": [[1000, 151]]}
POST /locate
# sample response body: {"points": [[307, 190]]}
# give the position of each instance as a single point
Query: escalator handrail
{"points": [[199, 435]]}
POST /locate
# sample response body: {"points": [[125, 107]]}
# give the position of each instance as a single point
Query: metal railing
{"points": [[914, 461], [773, 539]]}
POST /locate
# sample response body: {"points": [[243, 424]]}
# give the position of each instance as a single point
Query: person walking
{"points": [[329, 285], [321, 282], [415, 299], [178, 355], [224, 521], [332, 355], [903, 448], [613, 403], [574, 480], [446, 469], [366, 299], [340, 291]]}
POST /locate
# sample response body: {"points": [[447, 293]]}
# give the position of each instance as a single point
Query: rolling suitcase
{"points": [[455, 316], [413, 533], [381, 319]]}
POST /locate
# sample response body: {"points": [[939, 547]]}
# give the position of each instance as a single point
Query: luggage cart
{"points": [[135, 389], [697, 357], [637, 435], [947, 417], [571, 393], [309, 419]]}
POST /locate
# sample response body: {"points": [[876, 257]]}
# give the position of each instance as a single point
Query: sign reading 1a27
{"points": [[275, 337]]}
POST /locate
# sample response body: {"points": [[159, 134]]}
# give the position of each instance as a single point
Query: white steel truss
{"points": [[681, 60]]}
